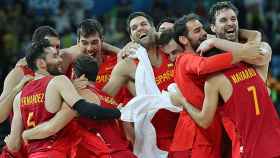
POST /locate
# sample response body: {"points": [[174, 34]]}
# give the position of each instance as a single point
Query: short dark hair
{"points": [[166, 19], [180, 28], [136, 14], [87, 65], [36, 50], [42, 32], [165, 37], [218, 7], [89, 27]]}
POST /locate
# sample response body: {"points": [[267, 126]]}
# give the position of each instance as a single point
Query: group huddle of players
{"points": [[66, 102]]}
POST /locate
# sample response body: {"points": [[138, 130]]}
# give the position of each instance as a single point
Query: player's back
{"points": [[252, 113], [32, 102], [105, 101], [33, 111]]}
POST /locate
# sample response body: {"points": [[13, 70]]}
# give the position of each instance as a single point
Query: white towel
{"points": [[144, 76], [142, 108]]}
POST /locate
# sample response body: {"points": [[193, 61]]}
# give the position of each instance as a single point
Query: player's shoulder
{"points": [[60, 80], [186, 55], [89, 95], [71, 50], [216, 79], [60, 77], [15, 75]]}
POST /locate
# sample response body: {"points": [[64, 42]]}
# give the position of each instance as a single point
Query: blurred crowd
{"points": [[19, 18]]}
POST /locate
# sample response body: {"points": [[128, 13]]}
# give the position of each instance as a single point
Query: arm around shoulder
{"points": [[64, 87], [51, 127], [91, 110], [205, 116], [250, 35]]}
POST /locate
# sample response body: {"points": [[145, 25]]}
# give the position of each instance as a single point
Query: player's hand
{"points": [[7, 140], [81, 82], [252, 47], [176, 99], [24, 137], [129, 49], [206, 45], [21, 62], [23, 81], [11, 144], [252, 52]]}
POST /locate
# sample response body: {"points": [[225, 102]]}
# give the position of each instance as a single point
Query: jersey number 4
{"points": [[253, 91], [30, 121]]}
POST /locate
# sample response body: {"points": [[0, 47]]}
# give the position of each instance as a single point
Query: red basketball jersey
{"points": [[105, 69], [32, 103], [33, 111], [252, 113]]}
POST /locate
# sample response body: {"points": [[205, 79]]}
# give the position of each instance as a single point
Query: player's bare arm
{"points": [[250, 35], [245, 35], [52, 126], [250, 52], [21, 62], [205, 116], [14, 140], [122, 73], [12, 85], [63, 88], [263, 63]]}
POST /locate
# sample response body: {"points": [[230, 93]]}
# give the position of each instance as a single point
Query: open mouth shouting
{"points": [[230, 33], [142, 36], [230, 30]]}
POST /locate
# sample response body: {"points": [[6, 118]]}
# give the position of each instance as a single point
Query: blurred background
{"points": [[19, 18]]}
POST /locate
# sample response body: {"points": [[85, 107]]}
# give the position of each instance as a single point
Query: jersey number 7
{"points": [[253, 91]]}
